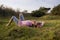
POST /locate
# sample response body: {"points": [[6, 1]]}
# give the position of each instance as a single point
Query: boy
{"points": [[22, 22]]}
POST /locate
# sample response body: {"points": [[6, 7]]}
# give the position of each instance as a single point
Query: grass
{"points": [[50, 31]]}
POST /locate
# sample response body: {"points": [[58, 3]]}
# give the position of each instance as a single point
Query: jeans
{"points": [[16, 20]]}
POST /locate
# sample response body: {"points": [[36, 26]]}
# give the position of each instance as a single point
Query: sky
{"points": [[29, 5]]}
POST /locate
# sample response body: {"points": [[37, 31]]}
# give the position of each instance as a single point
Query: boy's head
{"points": [[40, 24]]}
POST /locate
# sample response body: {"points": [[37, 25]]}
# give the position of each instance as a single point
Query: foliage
{"points": [[56, 10], [50, 17], [50, 31], [43, 9], [23, 32], [37, 13], [5, 11], [57, 35], [40, 12]]}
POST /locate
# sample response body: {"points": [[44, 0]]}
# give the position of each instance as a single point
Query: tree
{"points": [[40, 12], [7, 12], [43, 9], [37, 13], [25, 11], [56, 10]]}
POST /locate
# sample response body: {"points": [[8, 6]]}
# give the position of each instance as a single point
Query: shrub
{"points": [[37, 13], [56, 10]]}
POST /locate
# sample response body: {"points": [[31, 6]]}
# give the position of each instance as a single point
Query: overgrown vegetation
{"points": [[40, 12], [50, 30], [56, 10], [7, 12]]}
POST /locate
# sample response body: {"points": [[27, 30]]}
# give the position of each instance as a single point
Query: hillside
{"points": [[50, 31]]}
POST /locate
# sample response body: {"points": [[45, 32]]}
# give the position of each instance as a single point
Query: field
{"points": [[50, 31]]}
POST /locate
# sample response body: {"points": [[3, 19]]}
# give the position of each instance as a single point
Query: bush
{"points": [[37, 13], [56, 10], [57, 35]]}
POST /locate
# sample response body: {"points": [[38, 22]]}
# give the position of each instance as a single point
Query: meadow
{"points": [[50, 30]]}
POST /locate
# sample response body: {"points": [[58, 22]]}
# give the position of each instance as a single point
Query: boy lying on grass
{"points": [[22, 22]]}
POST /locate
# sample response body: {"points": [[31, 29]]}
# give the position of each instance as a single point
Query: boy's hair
{"points": [[40, 24]]}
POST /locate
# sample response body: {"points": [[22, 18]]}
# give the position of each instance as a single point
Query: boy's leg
{"points": [[13, 18], [21, 17]]}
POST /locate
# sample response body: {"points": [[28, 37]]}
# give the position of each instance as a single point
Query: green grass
{"points": [[46, 17], [50, 31]]}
